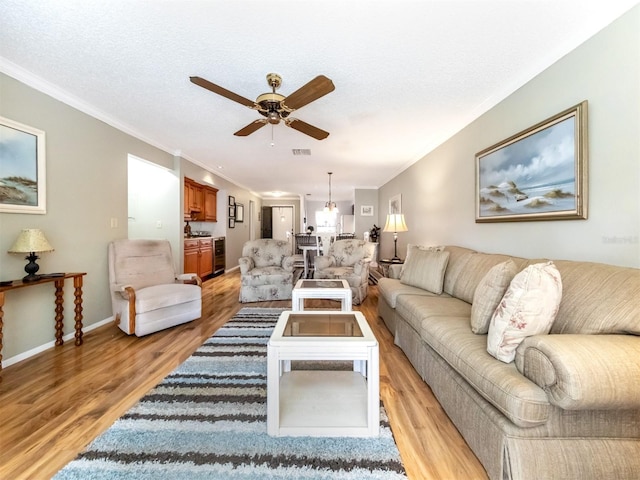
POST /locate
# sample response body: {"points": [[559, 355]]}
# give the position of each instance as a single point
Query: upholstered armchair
{"points": [[266, 270], [146, 293], [348, 260]]}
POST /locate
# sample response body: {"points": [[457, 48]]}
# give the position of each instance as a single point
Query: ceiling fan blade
{"points": [[252, 127], [306, 128], [222, 91], [316, 88]]}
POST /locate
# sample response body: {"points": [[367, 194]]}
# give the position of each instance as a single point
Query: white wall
{"points": [[438, 192], [153, 211]]}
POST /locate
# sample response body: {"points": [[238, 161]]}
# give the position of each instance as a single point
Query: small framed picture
{"points": [[232, 200], [395, 204], [232, 211], [232, 223], [366, 210], [239, 212]]}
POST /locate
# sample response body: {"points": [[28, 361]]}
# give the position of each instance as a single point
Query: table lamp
{"points": [[31, 241], [395, 223]]}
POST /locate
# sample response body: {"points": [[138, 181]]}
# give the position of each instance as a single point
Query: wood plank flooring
{"points": [[53, 404]]}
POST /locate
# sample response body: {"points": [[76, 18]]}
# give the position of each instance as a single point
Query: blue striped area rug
{"points": [[207, 420]]}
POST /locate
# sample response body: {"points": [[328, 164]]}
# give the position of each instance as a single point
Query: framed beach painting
{"points": [[537, 174], [22, 168], [395, 204]]}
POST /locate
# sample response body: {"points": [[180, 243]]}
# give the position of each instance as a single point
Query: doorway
{"points": [[277, 222]]}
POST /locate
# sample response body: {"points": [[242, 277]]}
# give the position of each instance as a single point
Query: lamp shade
{"points": [[31, 240], [395, 223]]}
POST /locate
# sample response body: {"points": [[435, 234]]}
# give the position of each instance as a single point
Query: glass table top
{"points": [[321, 284], [323, 325]]}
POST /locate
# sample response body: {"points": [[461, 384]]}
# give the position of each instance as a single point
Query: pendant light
{"points": [[330, 207]]}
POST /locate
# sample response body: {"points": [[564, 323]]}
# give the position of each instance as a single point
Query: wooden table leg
{"points": [[1, 325], [77, 283], [59, 311]]}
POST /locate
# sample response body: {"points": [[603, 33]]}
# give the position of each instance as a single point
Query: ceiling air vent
{"points": [[301, 151]]}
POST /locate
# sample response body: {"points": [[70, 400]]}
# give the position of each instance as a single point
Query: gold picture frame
{"points": [[22, 168], [537, 174]]}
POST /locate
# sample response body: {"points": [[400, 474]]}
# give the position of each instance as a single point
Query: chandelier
{"points": [[330, 207]]}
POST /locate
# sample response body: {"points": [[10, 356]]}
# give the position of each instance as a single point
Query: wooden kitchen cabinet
{"points": [[206, 258], [200, 201], [210, 204], [191, 256], [198, 256]]}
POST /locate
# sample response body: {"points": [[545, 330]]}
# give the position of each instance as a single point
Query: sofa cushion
{"points": [[414, 309], [488, 294], [163, 296], [518, 398], [528, 307], [267, 276], [411, 248], [598, 298], [391, 288], [425, 270], [475, 268]]}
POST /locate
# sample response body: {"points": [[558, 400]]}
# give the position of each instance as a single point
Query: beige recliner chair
{"points": [[146, 293]]}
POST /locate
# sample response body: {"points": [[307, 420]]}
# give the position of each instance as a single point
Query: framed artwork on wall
{"points": [[232, 223], [395, 204], [232, 200], [232, 211], [366, 210], [537, 174], [239, 212], [22, 168]]}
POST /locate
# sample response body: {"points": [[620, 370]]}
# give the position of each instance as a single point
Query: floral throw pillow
{"points": [[529, 307]]}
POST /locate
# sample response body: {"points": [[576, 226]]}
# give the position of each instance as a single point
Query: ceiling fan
{"points": [[274, 106]]}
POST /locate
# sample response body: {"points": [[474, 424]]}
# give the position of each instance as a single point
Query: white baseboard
{"points": [[46, 346]]}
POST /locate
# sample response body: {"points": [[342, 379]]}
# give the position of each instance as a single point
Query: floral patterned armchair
{"points": [[348, 260], [266, 270]]}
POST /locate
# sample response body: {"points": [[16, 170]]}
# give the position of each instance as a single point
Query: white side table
{"points": [[323, 403], [321, 288]]}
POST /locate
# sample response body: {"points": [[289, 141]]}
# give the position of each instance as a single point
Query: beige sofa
{"points": [[568, 407]]}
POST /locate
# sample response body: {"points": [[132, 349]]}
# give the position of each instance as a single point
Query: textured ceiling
{"points": [[408, 74]]}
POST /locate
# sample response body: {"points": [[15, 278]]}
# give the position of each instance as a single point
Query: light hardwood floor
{"points": [[52, 405]]}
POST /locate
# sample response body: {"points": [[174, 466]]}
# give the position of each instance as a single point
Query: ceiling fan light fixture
{"points": [[273, 118]]}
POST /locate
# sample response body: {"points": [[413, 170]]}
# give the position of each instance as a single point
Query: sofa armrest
{"points": [[361, 268], [324, 261], [246, 264], [122, 289], [192, 278], [288, 263], [584, 372], [394, 270]]}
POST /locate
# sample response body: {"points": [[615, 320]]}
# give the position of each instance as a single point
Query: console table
{"points": [[58, 281]]}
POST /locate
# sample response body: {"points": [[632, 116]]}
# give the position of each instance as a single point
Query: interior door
{"points": [[282, 223], [266, 231]]}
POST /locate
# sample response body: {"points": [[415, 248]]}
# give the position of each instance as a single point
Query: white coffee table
{"points": [[321, 288], [323, 403]]}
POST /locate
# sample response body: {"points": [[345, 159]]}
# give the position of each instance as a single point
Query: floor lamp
{"points": [[395, 223]]}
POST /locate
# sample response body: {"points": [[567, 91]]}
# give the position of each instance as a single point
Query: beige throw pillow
{"points": [[528, 308], [411, 248], [425, 269], [488, 294]]}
